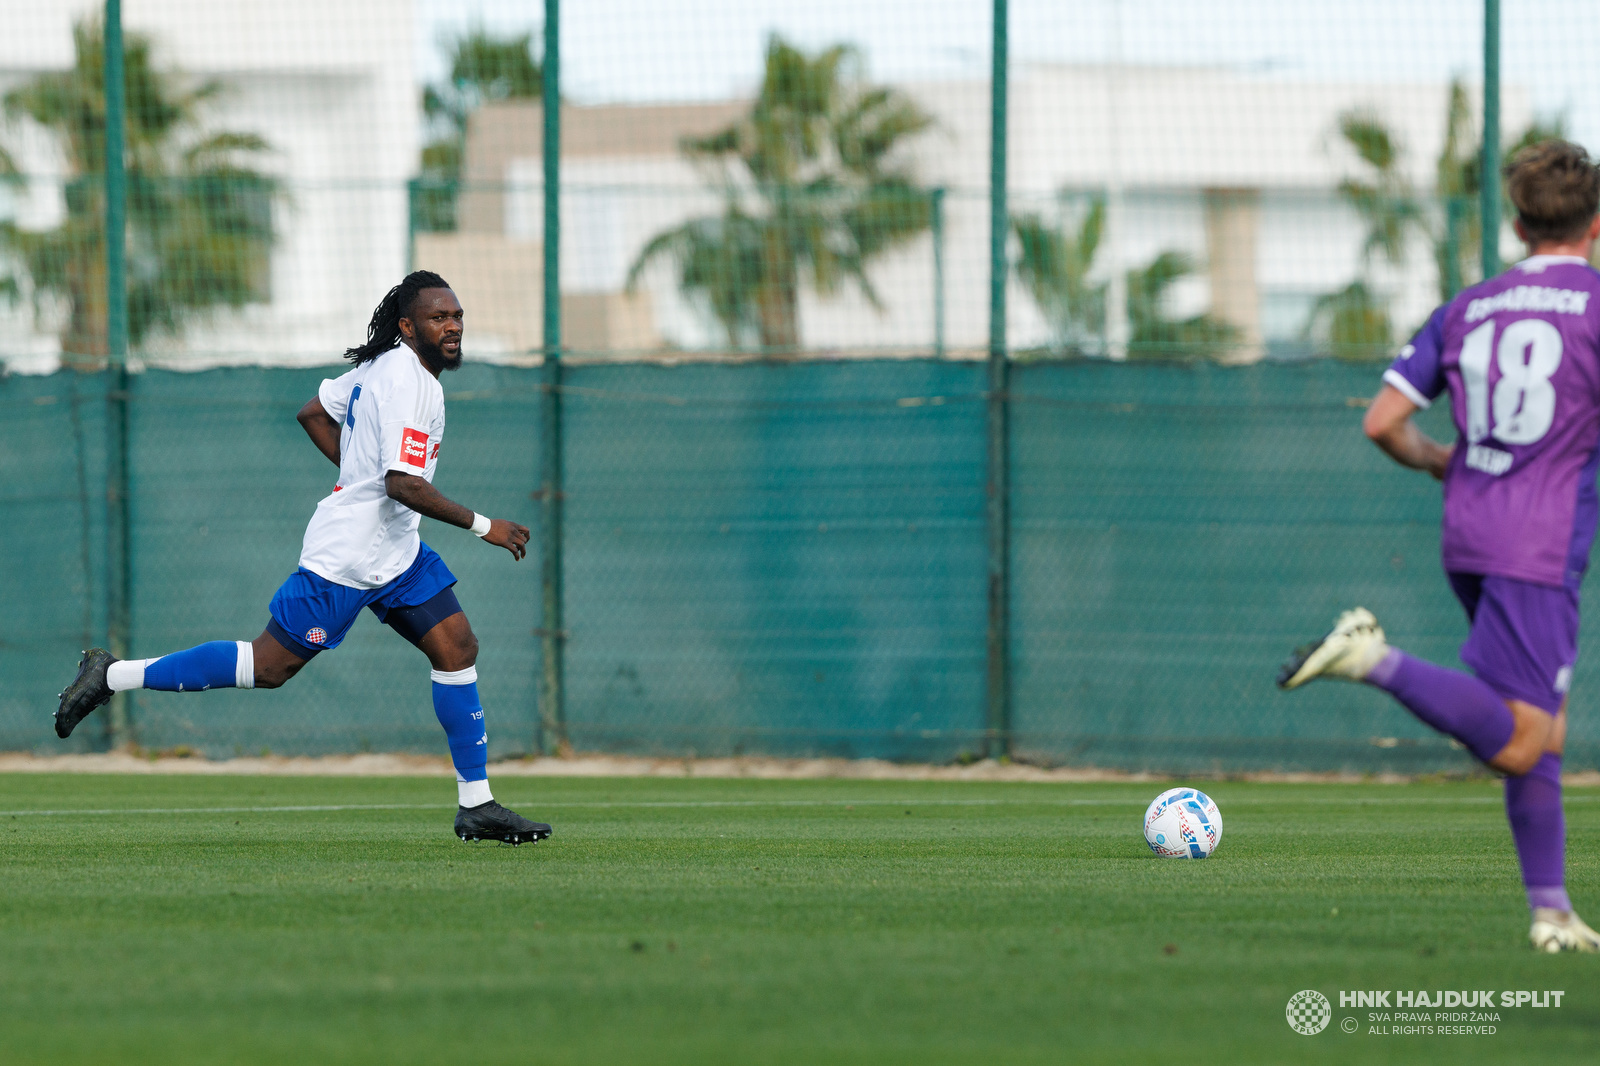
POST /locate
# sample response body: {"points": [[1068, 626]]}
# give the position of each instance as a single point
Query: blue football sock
{"points": [[455, 701], [211, 665]]}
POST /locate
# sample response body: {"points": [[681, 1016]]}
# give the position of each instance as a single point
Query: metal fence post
{"points": [[1489, 184], [1455, 213], [552, 710], [119, 584], [936, 225], [997, 718], [413, 208]]}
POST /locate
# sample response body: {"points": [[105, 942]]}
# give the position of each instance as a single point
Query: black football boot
{"points": [[490, 821], [87, 691]]}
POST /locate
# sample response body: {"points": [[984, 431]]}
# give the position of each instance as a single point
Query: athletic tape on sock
{"points": [[1383, 673], [244, 671], [1554, 897], [456, 677], [472, 793], [126, 674]]}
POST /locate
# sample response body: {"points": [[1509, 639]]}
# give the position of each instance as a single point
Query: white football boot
{"points": [[1349, 652], [1555, 931]]}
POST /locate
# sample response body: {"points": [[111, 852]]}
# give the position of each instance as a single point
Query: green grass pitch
{"points": [[205, 919]]}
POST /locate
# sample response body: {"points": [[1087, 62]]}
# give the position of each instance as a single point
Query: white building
{"points": [[330, 85], [1238, 171]]}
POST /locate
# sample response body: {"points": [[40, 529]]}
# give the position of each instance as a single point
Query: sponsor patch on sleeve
{"points": [[414, 448]]}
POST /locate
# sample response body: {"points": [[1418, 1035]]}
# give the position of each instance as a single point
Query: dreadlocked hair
{"points": [[383, 332]]}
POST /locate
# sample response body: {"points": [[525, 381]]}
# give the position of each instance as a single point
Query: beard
{"points": [[434, 355]]}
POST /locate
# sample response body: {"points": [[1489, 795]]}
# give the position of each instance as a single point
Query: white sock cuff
{"points": [[472, 793], [244, 670], [126, 674], [456, 677]]}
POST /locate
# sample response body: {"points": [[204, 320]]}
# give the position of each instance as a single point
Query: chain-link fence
{"points": [[776, 558], [773, 507]]}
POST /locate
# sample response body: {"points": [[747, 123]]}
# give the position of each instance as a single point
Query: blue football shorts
{"points": [[311, 614]]}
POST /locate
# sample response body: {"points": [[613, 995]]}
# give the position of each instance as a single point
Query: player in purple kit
{"points": [[381, 424], [1520, 356]]}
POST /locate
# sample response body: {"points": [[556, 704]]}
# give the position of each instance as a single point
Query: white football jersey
{"points": [[391, 416]]}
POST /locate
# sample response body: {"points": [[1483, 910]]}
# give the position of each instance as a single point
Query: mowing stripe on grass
{"points": [[606, 804], [585, 804], [239, 810]]}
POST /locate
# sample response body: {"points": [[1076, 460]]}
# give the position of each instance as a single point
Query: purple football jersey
{"points": [[1520, 354]]}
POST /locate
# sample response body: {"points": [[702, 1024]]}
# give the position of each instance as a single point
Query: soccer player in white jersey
{"points": [[1519, 355], [381, 424]]}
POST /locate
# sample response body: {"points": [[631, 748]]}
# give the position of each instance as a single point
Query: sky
{"points": [[642, 50]]}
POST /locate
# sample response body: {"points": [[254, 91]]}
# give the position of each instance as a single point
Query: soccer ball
{"points": [[1183, 823]]}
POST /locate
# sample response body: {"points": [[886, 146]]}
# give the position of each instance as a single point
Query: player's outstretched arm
{"points": [[417, 494], [321, 428], [1388, 424]]}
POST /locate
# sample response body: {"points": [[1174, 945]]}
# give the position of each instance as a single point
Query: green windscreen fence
{"points": [[773, 238], [781, 559]]}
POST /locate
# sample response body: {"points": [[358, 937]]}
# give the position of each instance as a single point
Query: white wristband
{"points": [[480, 525]]}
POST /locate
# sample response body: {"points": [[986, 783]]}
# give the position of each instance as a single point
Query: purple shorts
{"points": [[1524, 639]]}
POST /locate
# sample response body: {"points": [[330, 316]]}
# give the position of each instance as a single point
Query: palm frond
{"points": [[1370, 137], [9, 174], [719, 264], [1353, 323], [1054, 265], [200, 229], [218, 149], [809, 190]]}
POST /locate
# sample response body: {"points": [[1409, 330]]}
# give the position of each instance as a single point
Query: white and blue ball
{"points": [[1183, 823]]}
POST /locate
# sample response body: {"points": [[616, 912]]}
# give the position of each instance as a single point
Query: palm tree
{"points": [[811, 187], [199, 220], [1457, 184], [1354, 323], [1356, 319], [1151, 331], [483, 68], [1054, 264], [1384, 200], [1055, 267]]}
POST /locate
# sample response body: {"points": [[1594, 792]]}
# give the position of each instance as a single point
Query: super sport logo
{"points": [[414, 448]]}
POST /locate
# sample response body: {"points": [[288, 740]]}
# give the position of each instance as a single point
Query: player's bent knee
{"points": [[458, 656], [274, 672], [1519, 755], [1531, 731], [460, 644], [1516, 764]]}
